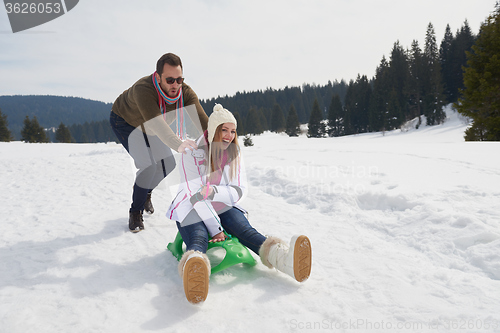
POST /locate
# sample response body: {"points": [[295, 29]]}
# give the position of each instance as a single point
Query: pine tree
{"points": [[5, 134], [27, 133], [264, 121], [460, 46], [292, 122], [349, 105], [399, 73], [481, 99], [445, 59], [241, 128], [247, 141], [32, 131], [395, 91], [89, 132], [433, 99], [41, 136], [63, 134], [363, 92], [252, 123], [100, 135], [277, 119], [417, 80], [378, 100], [335, 116], [76, 132], [298, 102], [84, 138], [316, 126], [357, 105], [394, 110]]}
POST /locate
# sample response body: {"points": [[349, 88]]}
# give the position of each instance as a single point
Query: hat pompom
{"points": [[218, 108]]}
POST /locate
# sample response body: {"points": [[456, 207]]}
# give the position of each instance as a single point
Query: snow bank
{"points": [[404, 226]]}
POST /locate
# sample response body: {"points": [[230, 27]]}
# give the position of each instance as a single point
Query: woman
{"points": [[213, 183]]}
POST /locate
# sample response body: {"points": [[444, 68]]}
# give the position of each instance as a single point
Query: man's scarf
{"points": [[163, 100]]}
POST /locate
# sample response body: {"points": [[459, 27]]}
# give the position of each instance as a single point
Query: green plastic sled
{"points": [[236, 253]]}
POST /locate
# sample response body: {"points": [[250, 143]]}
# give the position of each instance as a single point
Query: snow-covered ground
{"points": [[405, 229]]}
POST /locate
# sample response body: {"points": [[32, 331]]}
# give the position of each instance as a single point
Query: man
{"points": [[140, 118]]}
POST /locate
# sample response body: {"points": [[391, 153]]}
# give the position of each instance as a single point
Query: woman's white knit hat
{"points": [[219, 116]]}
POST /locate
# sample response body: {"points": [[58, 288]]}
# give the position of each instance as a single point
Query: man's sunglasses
{"points": [[171, 80]]}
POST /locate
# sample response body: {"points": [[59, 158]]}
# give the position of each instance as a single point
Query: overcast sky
{"points": [[100, 48]]}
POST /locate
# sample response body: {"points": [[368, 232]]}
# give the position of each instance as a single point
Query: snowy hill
{"points": [[405, 229]]}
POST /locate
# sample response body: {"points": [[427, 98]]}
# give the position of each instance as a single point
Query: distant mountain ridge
{"points": [[51, 110]]}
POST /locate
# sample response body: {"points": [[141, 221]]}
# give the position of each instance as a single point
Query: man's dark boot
{"points": [[148, 205], [135, 222]]}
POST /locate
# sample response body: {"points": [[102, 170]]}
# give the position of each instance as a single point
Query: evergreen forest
{"points": [[415, 81]]}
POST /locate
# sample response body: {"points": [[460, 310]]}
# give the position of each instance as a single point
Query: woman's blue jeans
{"points": [[195, 235], [150, 173]]}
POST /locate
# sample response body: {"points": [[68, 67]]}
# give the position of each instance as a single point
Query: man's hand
{"points": [[187, 144], [218, 238]]}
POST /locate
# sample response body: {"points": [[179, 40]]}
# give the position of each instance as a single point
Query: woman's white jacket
{"points": [[193, 176]]}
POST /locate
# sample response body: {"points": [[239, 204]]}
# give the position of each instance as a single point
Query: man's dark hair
{"points": [[169, 58]]}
